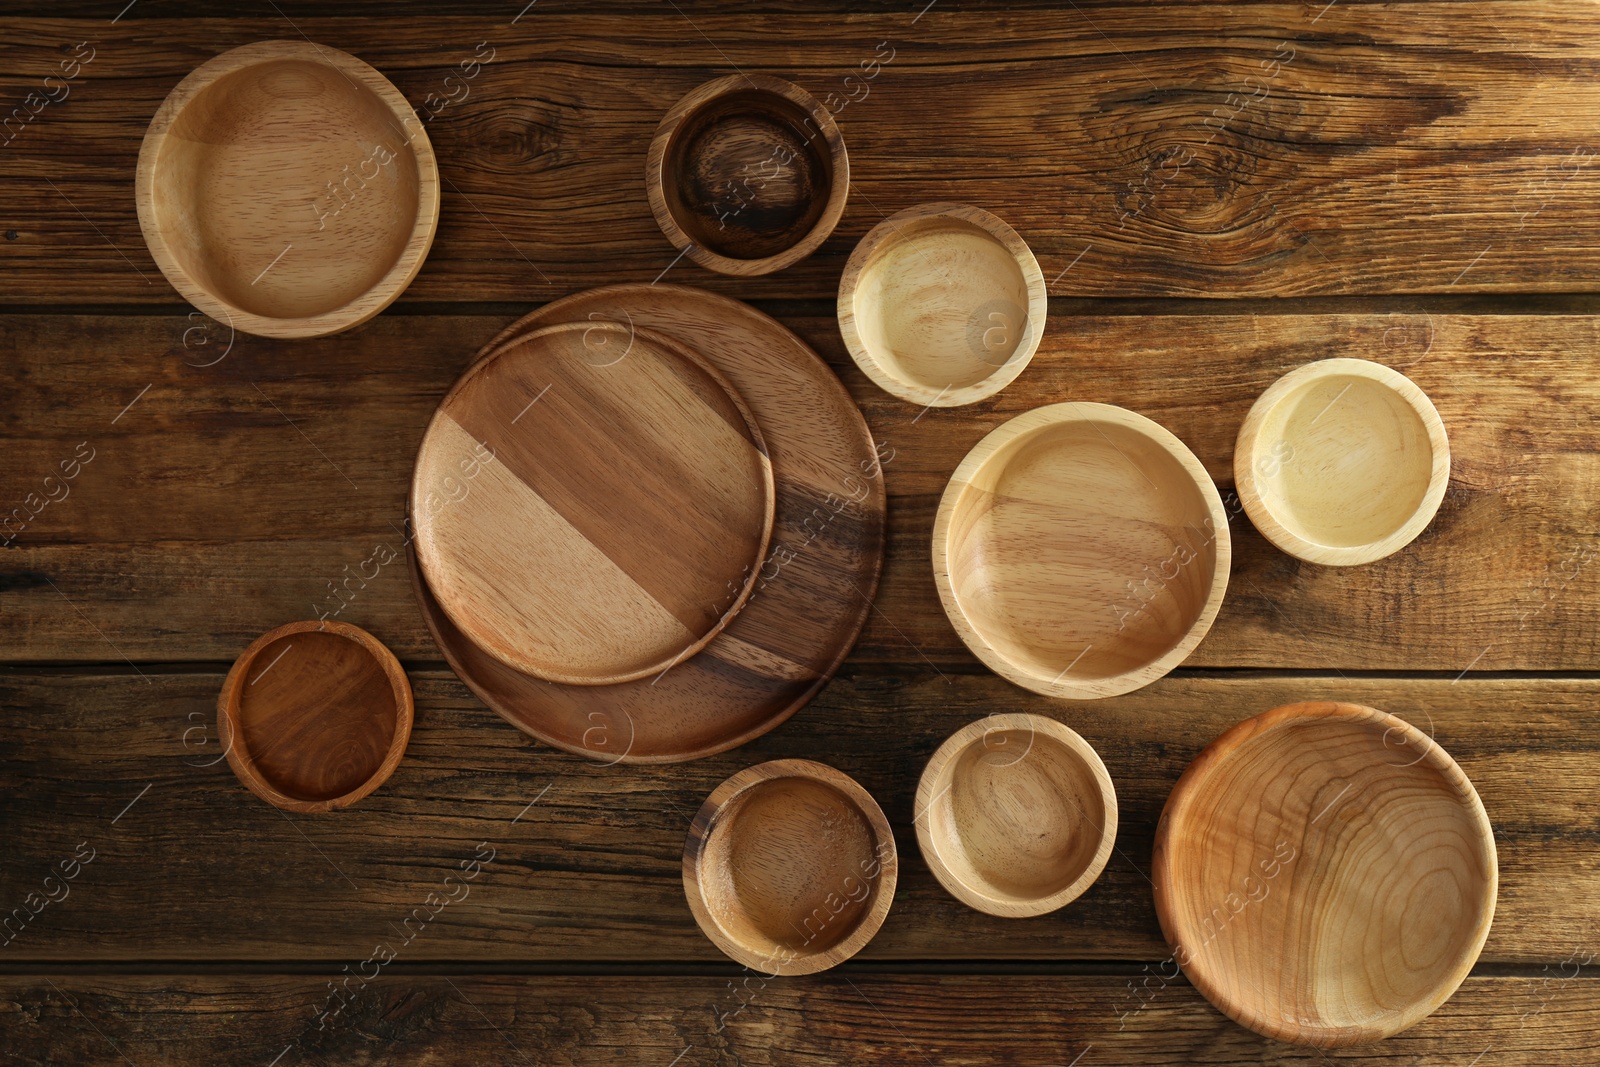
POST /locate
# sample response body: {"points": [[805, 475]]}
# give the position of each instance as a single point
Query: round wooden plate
{"points": [[1081, 550], [287, 189], [315, 715], [591, 503], [1325, 874], [814, 590]]}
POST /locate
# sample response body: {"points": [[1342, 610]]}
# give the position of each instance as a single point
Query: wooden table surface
{"points": [[1216, 194]]}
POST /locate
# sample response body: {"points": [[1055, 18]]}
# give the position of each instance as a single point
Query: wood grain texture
{"points": [[1182, 149], [591, 871]]}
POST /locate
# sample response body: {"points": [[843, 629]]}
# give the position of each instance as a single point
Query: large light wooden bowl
{"points": [[790, 867], [1016, 815], [1081, 550], [1325, 874], [1341, 462], [747, 174], [287, 189], [942, 304]]}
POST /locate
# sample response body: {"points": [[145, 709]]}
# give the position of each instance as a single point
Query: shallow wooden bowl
{"points": [[1081, 550], [592, 503], [942, 304], [790, 867], [1341, 462], [315, 715], [288, 189], [747, 174], [1325, 874], [1016, 815]]}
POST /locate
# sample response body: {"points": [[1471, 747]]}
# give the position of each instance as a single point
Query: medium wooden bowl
{"points": [[942, 304], [1016, 815], [288, 189], [1081, 550], [747, 174], [1325, 874], [592, 503], [1341, 462], [790, 867], [315, 715]]}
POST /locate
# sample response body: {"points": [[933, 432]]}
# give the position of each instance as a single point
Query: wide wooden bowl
{"points": [[747, 174], [1081, 550], [315, 715], [790, 867], [1325, 874], [1016, 815], [592, 503], [942, 304], [1341, 462], [287, 189]]}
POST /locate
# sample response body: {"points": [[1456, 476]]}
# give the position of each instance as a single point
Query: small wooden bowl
{"points": [[1341, 462], [1081, 550], [747, 174], [942, 305], [315, 715], [1325, 874], [1016, 815], [790, 867], [288, 189]]}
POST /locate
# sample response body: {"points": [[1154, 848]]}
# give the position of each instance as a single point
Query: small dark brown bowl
{"points": [[747, 174], [315, 715]]}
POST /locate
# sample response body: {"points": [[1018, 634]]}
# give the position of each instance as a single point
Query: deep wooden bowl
{"points": [[287, 189], [1325, 874], [1081, 550], [747, 174], [790, 867], [1016, 815], [942, 304], [592, 503], [315, 715], [1342, 462]]}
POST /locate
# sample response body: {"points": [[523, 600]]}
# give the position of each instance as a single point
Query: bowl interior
{"points": [[748, 174], [1018, 816], [1081, 550], [1343, 461], [317, 715], [790, 867], [942, 304], [286, 189]]}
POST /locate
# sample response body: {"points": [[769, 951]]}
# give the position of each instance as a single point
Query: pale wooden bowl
{"points": [[1016, 815], [315, 715], [747, 174], [1325, 874], [287, 189], [790, 867], [1342, 462], [1081, 550], [942, 304]]}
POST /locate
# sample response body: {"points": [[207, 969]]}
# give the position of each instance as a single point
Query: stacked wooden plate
{"points": [[647, 523]]}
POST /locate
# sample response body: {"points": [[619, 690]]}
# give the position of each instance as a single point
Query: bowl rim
{"points": [[1249, 443], [364, 305], [230, 711], [709, 818], [943, 762], [888, 231], [1030, 422], [1212, 759], [707, 93]]}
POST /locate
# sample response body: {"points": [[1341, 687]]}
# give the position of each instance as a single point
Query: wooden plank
{"points": [[260, 484], [841, 1017], [1188, 149], [189, 866]]}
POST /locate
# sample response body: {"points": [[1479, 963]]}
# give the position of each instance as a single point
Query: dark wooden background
{"points": [[1414, 183]]}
